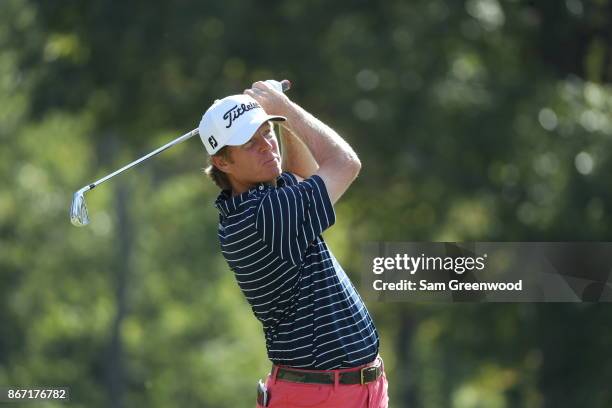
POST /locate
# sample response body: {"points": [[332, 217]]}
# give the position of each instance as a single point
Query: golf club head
{"points": [[78, 210]]}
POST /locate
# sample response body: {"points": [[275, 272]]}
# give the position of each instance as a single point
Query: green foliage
{"points": [[477, 120]]}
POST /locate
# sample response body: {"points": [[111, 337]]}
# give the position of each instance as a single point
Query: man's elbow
{"points": [[346, 166], [355, 165]]}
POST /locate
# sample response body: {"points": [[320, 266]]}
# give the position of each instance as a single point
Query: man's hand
{"points": [[271, 100]]}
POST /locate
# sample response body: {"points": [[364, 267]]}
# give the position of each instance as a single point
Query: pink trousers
{"points": [[286, 394]]}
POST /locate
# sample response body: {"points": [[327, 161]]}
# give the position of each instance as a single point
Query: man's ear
{"points": [[221, 163]]}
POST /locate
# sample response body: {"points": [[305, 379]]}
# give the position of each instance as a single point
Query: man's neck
{"points": [[239, 188]]}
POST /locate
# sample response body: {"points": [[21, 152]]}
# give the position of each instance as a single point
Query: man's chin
{"points": [[275, 172], [273, 175]]}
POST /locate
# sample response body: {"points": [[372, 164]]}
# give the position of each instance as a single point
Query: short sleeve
{"points": [[291, 217], [289, 178]]}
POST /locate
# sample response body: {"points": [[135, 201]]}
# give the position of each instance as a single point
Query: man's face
{"points": [[258, 160]]}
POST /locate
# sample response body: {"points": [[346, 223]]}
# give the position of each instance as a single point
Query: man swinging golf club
{"points": [[319, 335]]}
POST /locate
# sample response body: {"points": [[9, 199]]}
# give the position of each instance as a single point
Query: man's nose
{"points": [[265, 144]]}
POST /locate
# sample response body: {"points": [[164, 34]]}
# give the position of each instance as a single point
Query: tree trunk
{"points": [[405, 375], [115, 369]]}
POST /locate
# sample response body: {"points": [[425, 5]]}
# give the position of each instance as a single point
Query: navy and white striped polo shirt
{"points": [[312, 315]]}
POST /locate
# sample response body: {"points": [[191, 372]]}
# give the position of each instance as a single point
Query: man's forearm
{"points": [[338, 162], [297, 159], [323, 142]]}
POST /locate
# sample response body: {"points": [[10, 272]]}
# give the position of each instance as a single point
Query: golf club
{"points": [[78, 210]]}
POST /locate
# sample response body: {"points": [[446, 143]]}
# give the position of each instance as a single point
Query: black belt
{"points": [[362, 376]]}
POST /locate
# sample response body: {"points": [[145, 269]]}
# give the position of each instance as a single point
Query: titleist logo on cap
{"points": [[235, 112]]}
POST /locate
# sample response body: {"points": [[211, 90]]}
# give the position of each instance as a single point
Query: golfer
{"points": [[319, 335]]}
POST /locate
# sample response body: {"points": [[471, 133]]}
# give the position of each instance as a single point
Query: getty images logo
{"points": [[236, 111]]}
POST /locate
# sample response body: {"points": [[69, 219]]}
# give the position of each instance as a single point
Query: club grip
{"points": [[281, 86]]}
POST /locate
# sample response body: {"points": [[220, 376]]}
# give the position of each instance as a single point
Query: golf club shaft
{"points": [[176, 141], [282, 86]]}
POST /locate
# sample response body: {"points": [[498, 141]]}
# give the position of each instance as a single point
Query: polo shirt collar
{"points": [[226, 204]]}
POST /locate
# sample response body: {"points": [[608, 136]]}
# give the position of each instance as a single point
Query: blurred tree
{"points": [[476, 120]]}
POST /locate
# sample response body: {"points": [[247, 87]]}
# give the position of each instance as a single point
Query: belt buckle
{"points": [[363, 371]]}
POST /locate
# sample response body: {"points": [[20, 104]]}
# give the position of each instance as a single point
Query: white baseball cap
{"points": [[232, 121]]}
